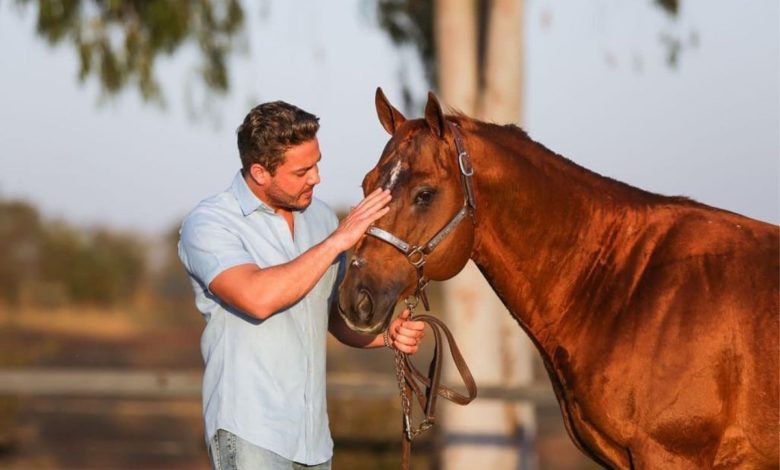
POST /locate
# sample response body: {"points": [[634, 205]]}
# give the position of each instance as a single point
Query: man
{"points": [[264, 257]]}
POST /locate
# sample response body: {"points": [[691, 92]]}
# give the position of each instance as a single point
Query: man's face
{"points": [[292, 186]]}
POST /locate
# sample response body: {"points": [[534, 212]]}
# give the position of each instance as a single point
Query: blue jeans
{"points": [[229, 452]]}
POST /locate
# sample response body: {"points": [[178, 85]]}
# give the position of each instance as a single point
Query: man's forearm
{"points": [[279, 286], [261, 292]]}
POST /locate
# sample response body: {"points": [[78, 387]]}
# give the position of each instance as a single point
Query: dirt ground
{"points": [[50, 432]]}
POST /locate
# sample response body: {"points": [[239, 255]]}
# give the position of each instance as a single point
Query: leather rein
{"points": [[410, 379]]}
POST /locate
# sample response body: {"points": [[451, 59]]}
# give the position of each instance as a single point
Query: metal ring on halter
{"points": [[420, 260], [462, 164], [411, 304]]}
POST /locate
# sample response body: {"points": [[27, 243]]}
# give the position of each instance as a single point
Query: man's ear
{"points": [[390, 117], [259, 174]]}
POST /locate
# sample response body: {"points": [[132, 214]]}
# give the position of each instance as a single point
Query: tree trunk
{"points": [[455, 30], [484, 434], [501, 99]]}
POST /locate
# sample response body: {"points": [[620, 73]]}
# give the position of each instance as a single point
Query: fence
{"points": [[176, 383]]}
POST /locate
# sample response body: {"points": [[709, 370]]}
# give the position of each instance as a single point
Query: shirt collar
{"points": [[246, 198]]}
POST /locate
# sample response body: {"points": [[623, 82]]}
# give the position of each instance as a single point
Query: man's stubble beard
{"points": [[286, 201]]}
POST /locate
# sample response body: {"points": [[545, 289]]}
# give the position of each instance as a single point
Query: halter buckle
{"points": [[416, 257], [465, 164], [426, 425]]}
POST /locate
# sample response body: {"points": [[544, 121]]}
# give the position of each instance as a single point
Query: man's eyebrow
{"points": [[308, 167]]}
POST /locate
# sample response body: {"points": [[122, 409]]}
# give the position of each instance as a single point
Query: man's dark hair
{"points": [[271, 128]]}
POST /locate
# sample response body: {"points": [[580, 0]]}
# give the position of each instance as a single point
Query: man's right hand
{"points": [[360, 218]]}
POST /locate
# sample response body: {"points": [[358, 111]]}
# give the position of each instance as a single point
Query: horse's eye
{"points": [[424, 197]]}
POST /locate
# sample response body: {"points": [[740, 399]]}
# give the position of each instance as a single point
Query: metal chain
{"points": [[400, 374], [406, 406]]}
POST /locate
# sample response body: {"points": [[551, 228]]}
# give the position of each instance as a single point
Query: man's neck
{"points": [[258, 191]]}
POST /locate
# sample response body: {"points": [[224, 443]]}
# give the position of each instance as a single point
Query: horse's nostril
{"points": [[365, 306]]}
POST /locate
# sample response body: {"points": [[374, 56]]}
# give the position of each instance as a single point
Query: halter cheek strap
{"points": [[426, 249], [388, 237]]}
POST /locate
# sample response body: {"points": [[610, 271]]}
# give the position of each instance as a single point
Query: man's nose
{"points": [[314, 176]]}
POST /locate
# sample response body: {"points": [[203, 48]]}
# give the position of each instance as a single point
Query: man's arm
{"points": [[260, 292]]}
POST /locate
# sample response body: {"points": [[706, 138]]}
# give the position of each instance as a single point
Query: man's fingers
{"points": [[413, 325], [364, 214], [377, 215], [409, 333], [371, 195], [372, 203], [407, 340], [362, 221], [372, 198], [376, 194]]}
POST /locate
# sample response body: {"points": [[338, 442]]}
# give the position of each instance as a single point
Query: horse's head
{"points": [[421, 166]]}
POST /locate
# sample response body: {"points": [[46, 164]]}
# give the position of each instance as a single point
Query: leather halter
{"points": [[417, 254]]}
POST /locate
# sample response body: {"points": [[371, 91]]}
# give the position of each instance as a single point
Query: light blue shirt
{"points": [[264, 380]]}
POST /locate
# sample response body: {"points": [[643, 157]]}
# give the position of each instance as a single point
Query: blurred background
{"points": [[118, 116]]}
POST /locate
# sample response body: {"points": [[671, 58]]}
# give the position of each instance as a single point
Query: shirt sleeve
{"points": [[207, 248]]}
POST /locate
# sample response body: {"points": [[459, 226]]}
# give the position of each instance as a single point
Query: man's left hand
{"points": [[406, 334]]}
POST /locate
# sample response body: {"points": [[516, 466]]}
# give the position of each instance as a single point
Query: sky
{"points": [[597, 90]]}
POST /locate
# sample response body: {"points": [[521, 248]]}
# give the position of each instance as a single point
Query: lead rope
{"points": [[411, 381]]}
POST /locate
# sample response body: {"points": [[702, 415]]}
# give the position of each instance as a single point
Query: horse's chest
{"points": [[596, 389]]}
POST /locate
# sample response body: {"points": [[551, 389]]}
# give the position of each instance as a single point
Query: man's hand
{"points": [[406, 334], [360, 218]]}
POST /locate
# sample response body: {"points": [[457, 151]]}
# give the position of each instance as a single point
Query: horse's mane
{"points": [[514, 138]]}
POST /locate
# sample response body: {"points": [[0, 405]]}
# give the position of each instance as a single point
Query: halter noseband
{"points": [[417, 254]]}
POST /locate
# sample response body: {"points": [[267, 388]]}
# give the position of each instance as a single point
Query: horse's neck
{"points": [[543, 227]]}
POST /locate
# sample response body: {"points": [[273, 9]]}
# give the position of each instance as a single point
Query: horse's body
{"points": [[657, 317]]}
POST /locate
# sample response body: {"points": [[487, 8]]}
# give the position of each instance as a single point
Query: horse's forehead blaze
{"points": [[391, 167], [410, 153], [393, 174]]}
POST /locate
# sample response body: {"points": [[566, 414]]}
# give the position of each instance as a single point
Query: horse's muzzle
{"points": [[363, 309]]}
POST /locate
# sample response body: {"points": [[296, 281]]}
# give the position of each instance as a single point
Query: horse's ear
{"points": [[434, 116], [390, 117]]}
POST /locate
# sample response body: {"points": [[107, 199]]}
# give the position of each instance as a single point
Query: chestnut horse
{"points": [[657, 317]]}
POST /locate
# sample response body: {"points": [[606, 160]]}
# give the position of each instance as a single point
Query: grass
{"points": [[88, 322]]}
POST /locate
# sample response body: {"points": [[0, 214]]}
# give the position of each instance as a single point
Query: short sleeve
{"points": [[207, 248]]}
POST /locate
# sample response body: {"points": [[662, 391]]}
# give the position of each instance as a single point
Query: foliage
{"points": [[100, 266], [56, 263], [20, 240], [670, 6], [119, 41], [411, 22], [172, 283]]}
